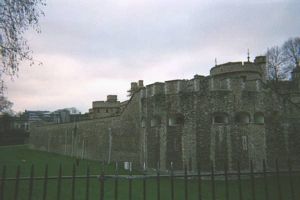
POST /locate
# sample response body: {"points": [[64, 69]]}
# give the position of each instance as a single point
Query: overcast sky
{"points": [[97, 47]]}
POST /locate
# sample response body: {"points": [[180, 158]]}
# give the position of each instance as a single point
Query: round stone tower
{"points": [[236, 75], [254, 70], [237, 112]]}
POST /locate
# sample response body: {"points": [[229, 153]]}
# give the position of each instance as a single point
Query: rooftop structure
{"points": [[110, 107]]}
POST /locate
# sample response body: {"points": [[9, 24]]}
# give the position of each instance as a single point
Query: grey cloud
{"points": [[128, 40], [122, 35]]}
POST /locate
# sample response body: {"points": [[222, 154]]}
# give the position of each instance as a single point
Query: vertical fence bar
{"points": [[278, 180], [116, 181], [31, 182], [87, 183], [185, 183], [3, 177], [130, 182], [102, 184], [213, 189], [59, 182], [158, 182], [199, 181], [17, 183], [252, 180], [45, 182], [73, 181], [226, 180], [265, 180], [239, 180], [144, 184], [172, 182], [291, 180]]}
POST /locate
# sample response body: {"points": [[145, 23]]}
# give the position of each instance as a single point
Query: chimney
{"points": [[134, 85], [141, 83]]}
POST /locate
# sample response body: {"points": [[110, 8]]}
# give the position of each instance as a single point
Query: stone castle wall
{"points": [[228, 116], [109, 139]]}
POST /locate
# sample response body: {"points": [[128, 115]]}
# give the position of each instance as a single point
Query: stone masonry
{"points": [[232, 114]]}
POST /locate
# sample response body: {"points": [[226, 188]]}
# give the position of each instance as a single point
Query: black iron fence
{"points": [[263, 184]]}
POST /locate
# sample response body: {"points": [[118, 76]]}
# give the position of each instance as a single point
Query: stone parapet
{"points": [[235, 67]]}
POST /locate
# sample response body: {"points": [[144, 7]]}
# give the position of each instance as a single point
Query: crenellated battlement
{"points": [[236, 67], [227, 76]]}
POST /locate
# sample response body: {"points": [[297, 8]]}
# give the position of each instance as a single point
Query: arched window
{"points": [[259, 118], [220, 118], [176, 120], [155, 121], [242, 118]]}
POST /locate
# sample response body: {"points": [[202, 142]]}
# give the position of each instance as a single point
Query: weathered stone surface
{"points": [[231, 115]]}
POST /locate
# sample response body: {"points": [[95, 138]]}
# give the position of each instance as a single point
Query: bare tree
{"points": [[5, 105], [282, 60], [291, 52], [16, 17], [275, 64]]}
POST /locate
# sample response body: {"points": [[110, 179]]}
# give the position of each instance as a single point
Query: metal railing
{"points": [[157, 176]]}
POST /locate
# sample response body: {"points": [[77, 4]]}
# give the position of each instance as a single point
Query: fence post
{"points": [[73, 181], [59, 182], [213, 189], [45, 182], [226, 180], [172, 182], [130, 182], [265, 180], [185, 182], [87, 182], [278, 180], [291, 179], [239, 180], [199, 181], [102, 183], [3, 177], [17, 182], [158, 181], [252, 180], [144, 183], [116, 181], [31, 182]]}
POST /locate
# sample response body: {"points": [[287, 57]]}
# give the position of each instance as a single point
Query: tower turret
{"points": [[261, 62]]}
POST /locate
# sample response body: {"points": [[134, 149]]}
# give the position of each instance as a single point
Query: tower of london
{"points": [[233, 114]]}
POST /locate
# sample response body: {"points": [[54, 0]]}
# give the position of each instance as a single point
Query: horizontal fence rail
{"points": [[210, 179]]}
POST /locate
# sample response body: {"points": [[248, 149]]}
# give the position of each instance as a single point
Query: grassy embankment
{"points": [[20, 155]]}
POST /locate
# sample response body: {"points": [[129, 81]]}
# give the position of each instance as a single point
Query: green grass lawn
{"points": [[13, 156]]}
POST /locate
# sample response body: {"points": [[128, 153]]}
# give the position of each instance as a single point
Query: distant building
{"points": [[110, 107], [66, 115], [37, 116], [61, 116]]}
